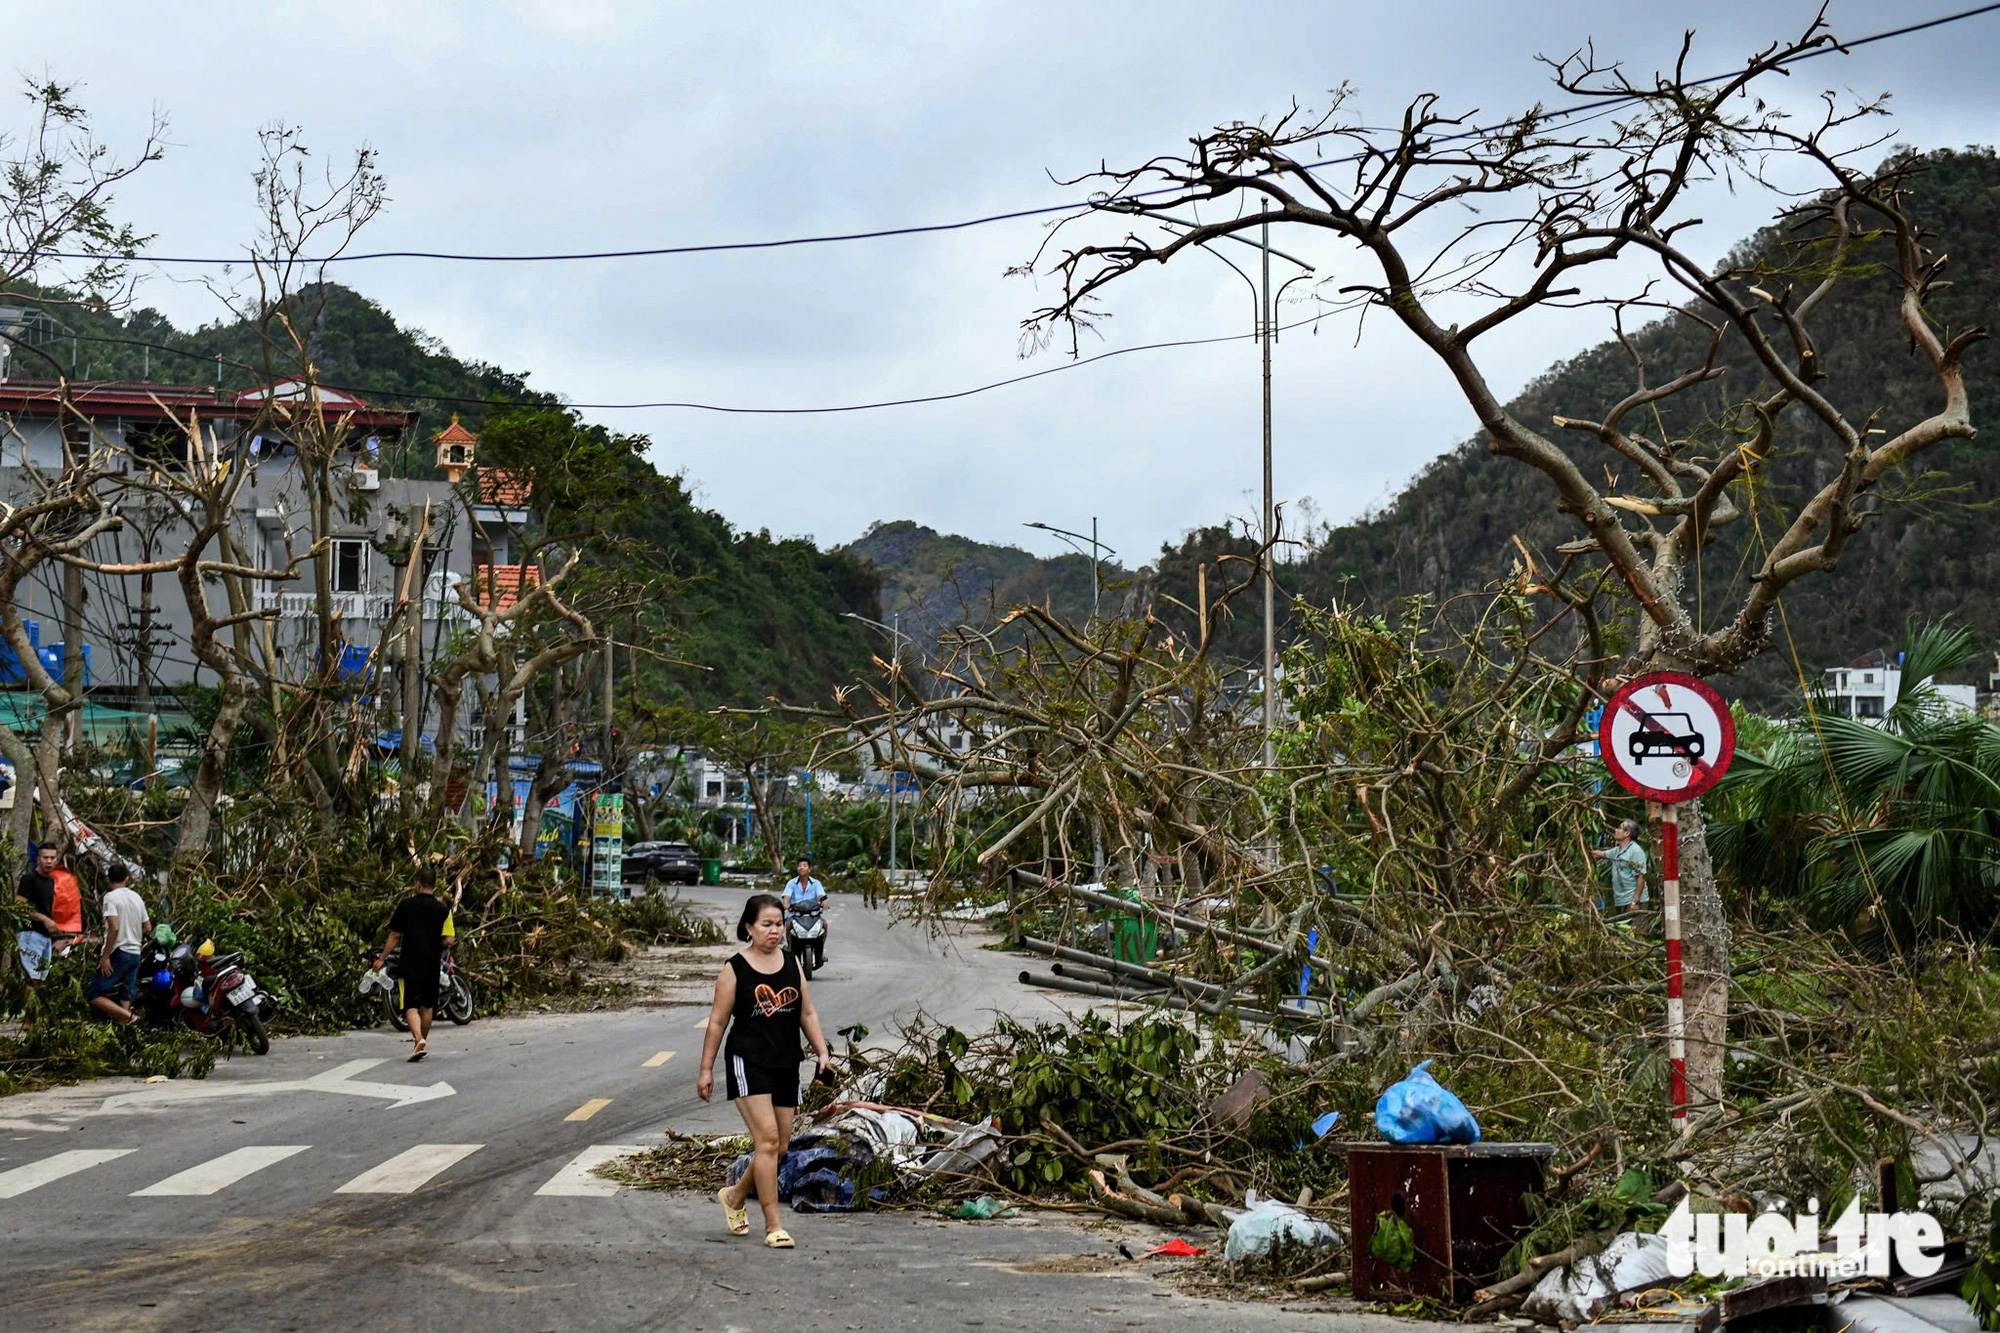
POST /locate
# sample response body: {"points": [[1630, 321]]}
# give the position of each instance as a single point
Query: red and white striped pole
{"points": [[1670, 911]]}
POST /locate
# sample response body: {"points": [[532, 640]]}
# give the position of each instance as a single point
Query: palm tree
{"points": [[1889, 827]]}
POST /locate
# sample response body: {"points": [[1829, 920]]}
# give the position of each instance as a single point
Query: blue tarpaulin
{"points": [[354, 660]]}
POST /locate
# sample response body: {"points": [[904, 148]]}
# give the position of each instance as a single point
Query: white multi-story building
{"points": [[1867, 688]]}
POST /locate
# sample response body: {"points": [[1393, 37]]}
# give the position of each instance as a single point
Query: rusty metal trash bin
{"points": [[1465, 1206]]}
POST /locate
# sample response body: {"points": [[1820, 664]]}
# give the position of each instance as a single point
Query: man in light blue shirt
{"points": [[1628, 868], [804, 891]]}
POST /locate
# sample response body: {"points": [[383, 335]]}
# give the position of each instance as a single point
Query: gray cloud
{"points": [[561, 126]]}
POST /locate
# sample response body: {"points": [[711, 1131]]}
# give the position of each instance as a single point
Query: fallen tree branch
{"points": [[1158, 997], [1136, 1209]]}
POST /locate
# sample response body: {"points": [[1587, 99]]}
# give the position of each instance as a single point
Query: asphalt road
{"points": [[332, 1184]]}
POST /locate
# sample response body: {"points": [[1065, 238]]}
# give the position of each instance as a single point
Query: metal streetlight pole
{"points": [[1266, 332], [895, 632], [1269, 334], [1096, 559], [895, 728]]}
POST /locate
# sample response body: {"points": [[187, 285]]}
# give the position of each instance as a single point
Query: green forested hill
{"points": [[755, 615], [1931, 551]]}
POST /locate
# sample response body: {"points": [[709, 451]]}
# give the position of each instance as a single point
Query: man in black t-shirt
{"points": [[418, 928], [38, 890]]}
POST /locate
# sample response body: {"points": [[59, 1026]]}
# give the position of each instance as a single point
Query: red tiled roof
{"points": [[498, 486], [455, 434], [498, 587]]}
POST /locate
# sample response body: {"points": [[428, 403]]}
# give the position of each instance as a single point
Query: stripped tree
{"points": [[201, 488], [60, 244], [1565, 211]]}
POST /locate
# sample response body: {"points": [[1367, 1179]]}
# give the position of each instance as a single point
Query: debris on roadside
{"points": [[1419, 1109], [981, 1209], [1236, 1106], [1268, 1225], [1572, 1294], [851, 1155]]}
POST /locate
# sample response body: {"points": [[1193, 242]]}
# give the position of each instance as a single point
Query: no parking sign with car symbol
{"points": [[1667, 736]]}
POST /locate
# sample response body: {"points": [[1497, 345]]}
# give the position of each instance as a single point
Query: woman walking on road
{"points": [[764, 1002]]}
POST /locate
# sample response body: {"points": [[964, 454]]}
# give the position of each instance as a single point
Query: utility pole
{"points": [[1267, 333], [895, 702]]}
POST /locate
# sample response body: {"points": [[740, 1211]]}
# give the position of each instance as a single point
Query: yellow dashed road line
{"points": [[658, 1060], [703, 1025], [588, 1109]]}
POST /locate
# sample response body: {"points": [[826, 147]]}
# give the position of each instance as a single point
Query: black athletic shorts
{"points": [[751, 1080], [418, 990]]}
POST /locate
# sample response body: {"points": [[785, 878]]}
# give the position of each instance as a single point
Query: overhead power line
{"points": [[1594, 104], [366, 391]]}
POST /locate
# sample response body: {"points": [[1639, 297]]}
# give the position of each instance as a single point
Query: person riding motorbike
{"points": [[805, 891]]}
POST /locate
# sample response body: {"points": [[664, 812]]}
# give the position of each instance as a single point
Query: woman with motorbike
{"points": [[763, 1001]]}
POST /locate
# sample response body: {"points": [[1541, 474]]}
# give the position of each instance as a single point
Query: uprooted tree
{"points": [[1465, 231]]}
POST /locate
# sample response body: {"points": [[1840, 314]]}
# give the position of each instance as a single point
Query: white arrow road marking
{"points": [[404, 1172], [36, 1174], [221, 1172], [575, 1179], [339, 1079]]}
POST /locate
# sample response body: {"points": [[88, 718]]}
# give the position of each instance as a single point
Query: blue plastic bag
{"points": [[1420, 1110]]}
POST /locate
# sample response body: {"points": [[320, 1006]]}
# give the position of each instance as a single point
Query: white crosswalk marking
{"points": [[576, 1181], [221, 1172], [21, 1179], [407, 1170]]}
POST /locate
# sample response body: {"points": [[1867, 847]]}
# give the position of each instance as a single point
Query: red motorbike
{"points": [[214, 995]]}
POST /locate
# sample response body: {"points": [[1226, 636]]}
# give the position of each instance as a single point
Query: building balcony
{"points": [[349, 606]]}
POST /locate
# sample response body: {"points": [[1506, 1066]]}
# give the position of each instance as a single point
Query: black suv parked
{"points": [[672, 861]]}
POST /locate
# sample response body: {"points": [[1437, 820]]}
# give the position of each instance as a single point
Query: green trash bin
{"points": [[1134, 938], [711, 870]]}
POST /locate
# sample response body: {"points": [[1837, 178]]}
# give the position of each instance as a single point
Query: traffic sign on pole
{"points": [[1669, 737]]}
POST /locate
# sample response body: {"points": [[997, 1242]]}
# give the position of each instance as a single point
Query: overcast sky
{"points": [[576, 125]]}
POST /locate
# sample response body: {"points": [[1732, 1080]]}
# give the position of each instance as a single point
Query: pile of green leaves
{"points": [[62, 1042], [308, 912], [1132, 1086], [658, 918]]}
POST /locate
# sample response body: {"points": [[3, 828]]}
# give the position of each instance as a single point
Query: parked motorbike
{"points": [[210, 992], [454, 995], [806, 938]]}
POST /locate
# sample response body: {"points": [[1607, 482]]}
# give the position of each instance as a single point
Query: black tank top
{"points": [[764, 1026]]}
